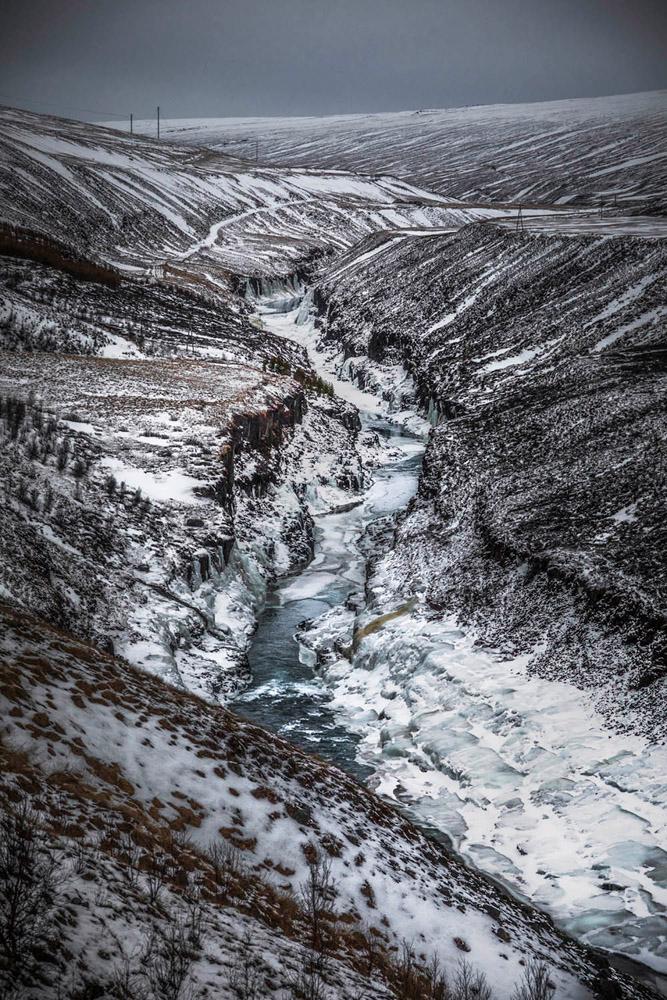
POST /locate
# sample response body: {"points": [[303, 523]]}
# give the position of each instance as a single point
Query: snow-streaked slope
{"points": [[139, 203], [541, 360], [527, 578], [122, 745], [559, 151]]}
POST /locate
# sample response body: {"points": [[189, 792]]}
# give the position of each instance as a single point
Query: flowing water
{"points": [[520, 773], [285, 695]]}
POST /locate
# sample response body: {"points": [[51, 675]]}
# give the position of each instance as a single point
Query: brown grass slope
{"points": [[128, 772]]}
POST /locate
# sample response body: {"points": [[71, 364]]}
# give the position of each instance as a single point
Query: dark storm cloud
{"points": [[243, 57]]}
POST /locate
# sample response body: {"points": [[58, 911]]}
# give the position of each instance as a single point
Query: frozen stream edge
{"points": [[521, 773]]}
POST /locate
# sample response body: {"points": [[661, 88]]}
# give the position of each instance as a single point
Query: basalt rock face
{"points": [[541, 509]]}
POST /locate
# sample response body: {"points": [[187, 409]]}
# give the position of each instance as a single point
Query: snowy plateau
{"points": [[332, 556]]}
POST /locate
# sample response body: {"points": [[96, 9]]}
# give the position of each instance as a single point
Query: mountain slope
{"points": [[140, 204], [127, 771], [609, 148], [540, 358]]}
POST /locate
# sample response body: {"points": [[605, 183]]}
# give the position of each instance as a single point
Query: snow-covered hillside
{"points": [[194, 847], [154, 481], [139, 204], [609, 148], [165, 455]]}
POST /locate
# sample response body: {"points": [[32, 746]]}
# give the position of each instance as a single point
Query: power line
{"points": [[68, 107]]}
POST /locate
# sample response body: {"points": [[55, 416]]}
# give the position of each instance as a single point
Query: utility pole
{"points": [[131, 123], [520, 227], [256, 151], [158, 121]]}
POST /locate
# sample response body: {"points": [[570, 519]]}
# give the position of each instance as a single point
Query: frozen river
{"points": [[520, 773]]}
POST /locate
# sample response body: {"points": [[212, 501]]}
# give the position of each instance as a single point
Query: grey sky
{"points": [[267, 57]]}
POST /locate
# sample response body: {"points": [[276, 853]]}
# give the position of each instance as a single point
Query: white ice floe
{"points": [[521, 772]]}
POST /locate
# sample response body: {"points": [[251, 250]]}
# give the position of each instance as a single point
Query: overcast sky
{"points": [[97, 58]]}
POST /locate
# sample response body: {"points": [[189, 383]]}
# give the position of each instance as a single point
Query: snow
{"points": [[625, 515], [180, 747], [527, 354], [634, 292], [646, 318], [120, 347], [521, 772], [500, 153], [82, 426], [162, 487]]}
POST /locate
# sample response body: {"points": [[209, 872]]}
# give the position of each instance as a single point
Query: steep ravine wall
{"points": [[540, 513]]}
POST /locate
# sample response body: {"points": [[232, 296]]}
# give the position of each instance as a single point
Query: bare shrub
{"points": [[307, 982], [470, 983], [126, 982], [535, 984], [436, 981], [373, 950], [81, 854], [128, 852], [316, 895], [158, 869], [244, 976], [409, 982], [227, 863], [29, 884], [168, 960], [194, 914]]}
